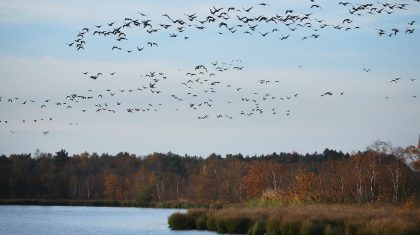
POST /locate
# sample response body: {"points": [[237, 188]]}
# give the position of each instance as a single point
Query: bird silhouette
{"points": [[247, 10]]}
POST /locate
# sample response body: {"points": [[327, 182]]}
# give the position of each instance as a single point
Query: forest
{"points": [[381, 173]]}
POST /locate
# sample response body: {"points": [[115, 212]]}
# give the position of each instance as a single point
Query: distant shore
{"points": [[105, 203], [64, 202]]}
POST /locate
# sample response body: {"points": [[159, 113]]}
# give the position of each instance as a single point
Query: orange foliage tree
{"points": [[261, 177]]}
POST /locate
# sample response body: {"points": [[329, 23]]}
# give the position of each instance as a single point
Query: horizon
{"points": [[71, 154]]}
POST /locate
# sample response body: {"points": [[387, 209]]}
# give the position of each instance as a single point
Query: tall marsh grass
{"points": [[304, 220]]}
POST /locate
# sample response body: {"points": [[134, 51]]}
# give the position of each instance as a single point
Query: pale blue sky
{"points": [[36, 64]]}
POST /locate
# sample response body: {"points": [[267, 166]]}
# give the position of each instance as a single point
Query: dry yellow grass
{"points": [[315, 219]]}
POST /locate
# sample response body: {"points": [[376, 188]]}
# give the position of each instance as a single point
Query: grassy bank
{"points": [[303, 220]]}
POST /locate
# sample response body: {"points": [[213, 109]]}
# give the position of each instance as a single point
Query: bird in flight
{"points": [[247, 10], [152, 44]]}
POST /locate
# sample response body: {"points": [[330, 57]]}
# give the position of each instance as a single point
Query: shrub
{"points": [[237, 224], [201, 223], [321, 227], [392, 227], [290, 228], [273, 227], [333, 230], [312, 228], [145, 196], [179, 221], [211, 224], [258, 228], [220, 226], [352, 228]]}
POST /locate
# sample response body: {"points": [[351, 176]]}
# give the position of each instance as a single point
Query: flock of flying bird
{"points": [[240, 20], [199, 87], [200, 84]]}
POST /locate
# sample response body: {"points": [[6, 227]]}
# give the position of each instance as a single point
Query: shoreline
{"points": [[65, 202], [108, 203]]}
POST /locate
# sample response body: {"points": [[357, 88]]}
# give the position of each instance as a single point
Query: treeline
{"points": [[375, 175]]}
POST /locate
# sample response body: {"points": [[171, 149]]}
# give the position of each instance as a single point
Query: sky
{"points": [[320, 88]]}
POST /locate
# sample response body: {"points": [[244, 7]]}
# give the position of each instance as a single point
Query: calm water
{"points": [[86, 220]]}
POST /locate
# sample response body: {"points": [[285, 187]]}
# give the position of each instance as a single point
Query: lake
{"points": [[43, 220]]}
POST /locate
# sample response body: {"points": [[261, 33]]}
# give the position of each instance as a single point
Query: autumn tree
{"points": [[111, 186], [381, 173], [261, 177]]}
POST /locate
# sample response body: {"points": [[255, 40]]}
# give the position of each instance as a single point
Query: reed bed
{"points": [[322, 219]]}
